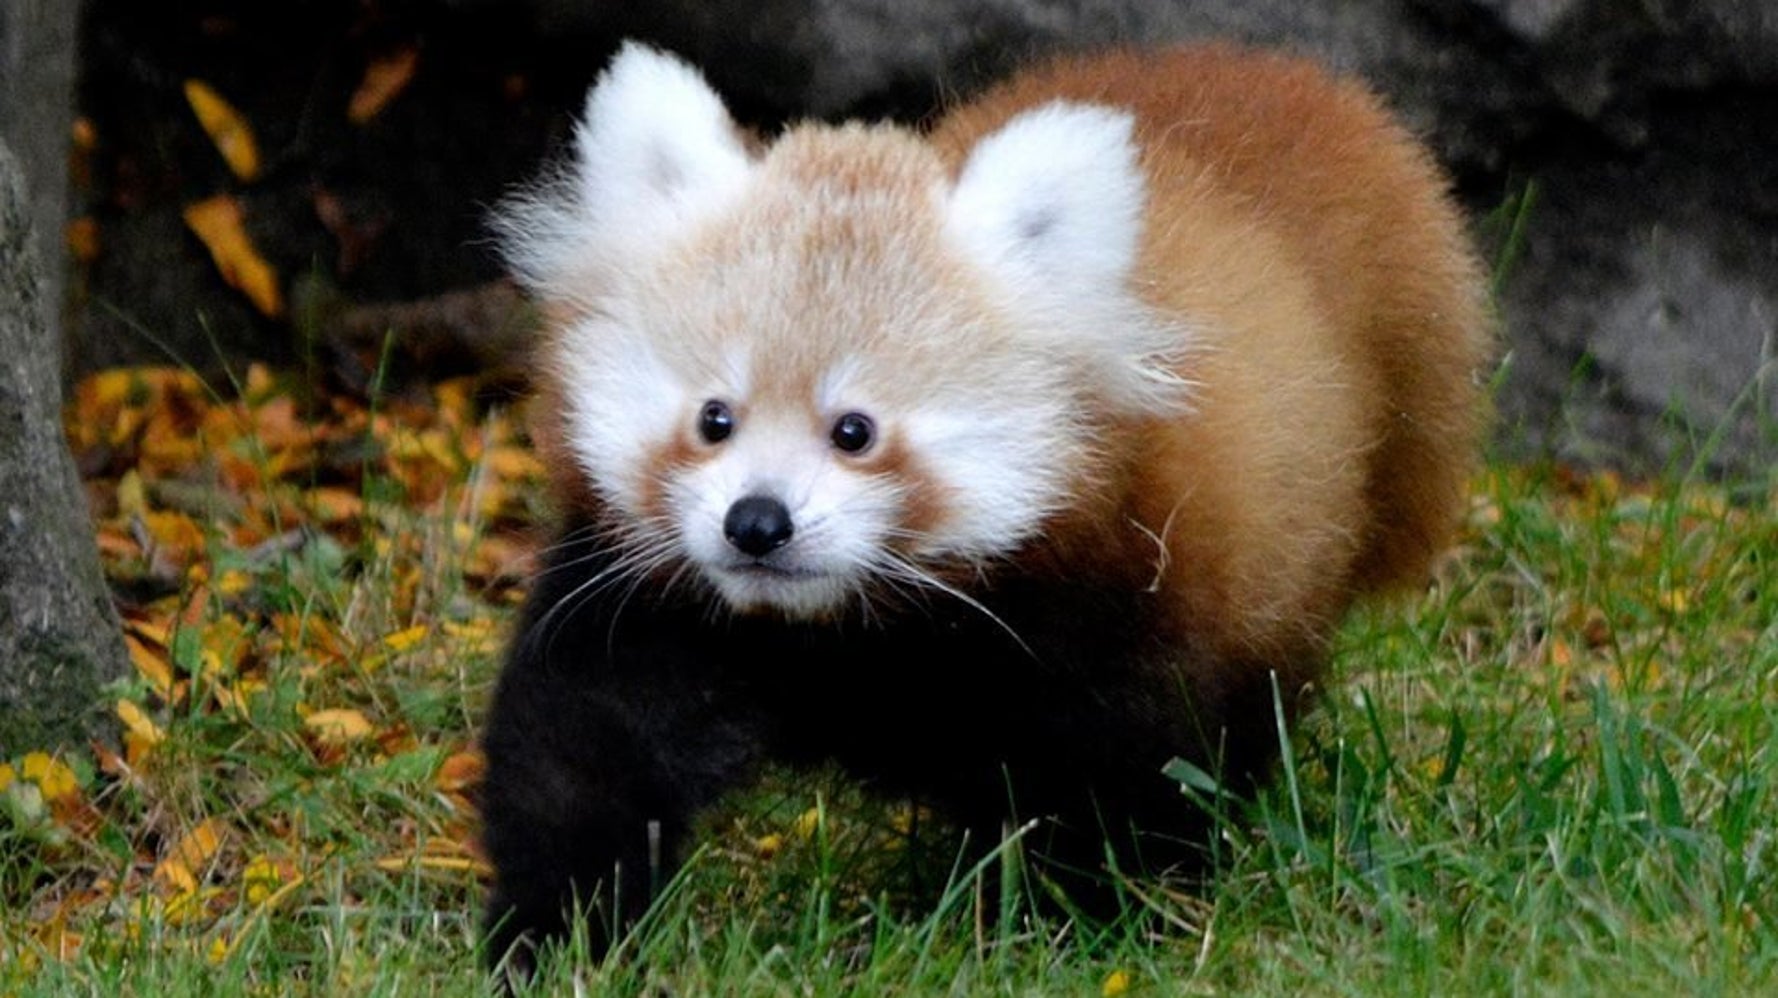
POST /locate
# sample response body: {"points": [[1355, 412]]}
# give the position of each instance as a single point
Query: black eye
{"points": [[715, 422], [853, 432]]}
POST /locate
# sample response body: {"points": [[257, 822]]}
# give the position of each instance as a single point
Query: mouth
{"points": [[762, 569], [797, 591]]}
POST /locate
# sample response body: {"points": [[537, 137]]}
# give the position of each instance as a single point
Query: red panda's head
{"points": [[835, 369]]}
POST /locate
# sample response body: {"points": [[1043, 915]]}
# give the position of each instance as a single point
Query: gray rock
{"points": [[59, 635], [37, 43]]}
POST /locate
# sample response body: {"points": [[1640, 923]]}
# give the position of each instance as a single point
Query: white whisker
{"points": [[907, 571]]}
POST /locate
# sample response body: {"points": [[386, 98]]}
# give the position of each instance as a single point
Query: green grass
{"points": [[1554, 772]]}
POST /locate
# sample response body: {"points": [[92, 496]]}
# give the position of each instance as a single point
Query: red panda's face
{"points": [[837, 371], [808, 405]]}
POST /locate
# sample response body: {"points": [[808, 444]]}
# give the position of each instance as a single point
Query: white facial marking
{"points": [[837, 517], [621, 400]]}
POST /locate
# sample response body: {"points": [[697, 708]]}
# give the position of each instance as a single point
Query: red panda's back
{"points": [[1338, 326]]}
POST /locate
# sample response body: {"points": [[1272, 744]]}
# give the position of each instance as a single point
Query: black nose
{"points": [[757, 525]]}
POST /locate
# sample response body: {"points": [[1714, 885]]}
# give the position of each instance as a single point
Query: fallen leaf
{"points": [[461, 771], [83, 134], [53, 777], [807, 823], [152, 665], [339, 726], [221, 224], [402, 640], [335, 505], [384, 79], [83, 239], [227, 129], [189, 856], [264, 878], [141, 734]]}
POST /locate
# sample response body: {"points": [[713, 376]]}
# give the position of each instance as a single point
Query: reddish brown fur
{"points": [[1335, 426]]}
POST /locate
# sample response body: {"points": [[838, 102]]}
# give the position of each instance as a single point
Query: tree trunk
{"points": [[59, 635]]}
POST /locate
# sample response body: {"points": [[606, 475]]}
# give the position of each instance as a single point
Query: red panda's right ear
{"points": [[654, 152]]}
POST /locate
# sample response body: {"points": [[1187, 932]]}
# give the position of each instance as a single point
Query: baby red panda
{"points": [[1001, 463]]}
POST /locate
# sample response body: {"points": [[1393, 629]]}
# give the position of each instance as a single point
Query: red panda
{"points": [[1001, 463]]}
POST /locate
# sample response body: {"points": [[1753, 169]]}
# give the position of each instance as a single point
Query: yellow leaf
{"points": [[7, 776], [151, 665], [265, 879], [807, 823], [228, 131], [510, 462], [768, 845], [132, 497], [189, 906], [150, 631], [221, 225], [1116, 983], [337, 727], [177, 536], [188, 857], [384, 79], [233, 582], [53, 778], [465, 864], [140, 731], [402, 640], [1673, 601]]}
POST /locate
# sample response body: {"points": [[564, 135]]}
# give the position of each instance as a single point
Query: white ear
{"points": [[1050, 207], [1052, 202], [654, 151]]}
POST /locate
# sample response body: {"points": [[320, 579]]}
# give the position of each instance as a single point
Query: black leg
{"points": [[601, 748]]}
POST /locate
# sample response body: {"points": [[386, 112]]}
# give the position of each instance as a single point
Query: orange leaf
{"points": [[228, 131], [220, 223], [461, 771], [83, 134], [336, 505], [188, 857], [114, 542], [83, 239], [384, 79]]}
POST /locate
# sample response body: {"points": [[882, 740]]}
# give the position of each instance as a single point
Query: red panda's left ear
{"points": [[1050, 208], [1051, 203], [654, 151]]}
